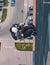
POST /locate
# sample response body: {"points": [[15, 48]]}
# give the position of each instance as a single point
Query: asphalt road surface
{"points": [[17, 16], [8, 53]]}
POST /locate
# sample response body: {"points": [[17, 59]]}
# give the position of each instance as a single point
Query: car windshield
{"points": [[12, 1]]}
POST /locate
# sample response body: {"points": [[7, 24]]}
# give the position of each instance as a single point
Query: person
{"points": [[18, 35], [20, 28], [15, 33], [22, 31]]}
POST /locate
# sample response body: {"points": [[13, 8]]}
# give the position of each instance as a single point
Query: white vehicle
{"points": [[30, 19]]}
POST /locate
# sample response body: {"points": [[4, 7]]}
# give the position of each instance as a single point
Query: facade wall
{"points": [[42, 44]]}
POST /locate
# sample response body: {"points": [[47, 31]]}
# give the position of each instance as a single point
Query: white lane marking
{"points": [[8, 46]]}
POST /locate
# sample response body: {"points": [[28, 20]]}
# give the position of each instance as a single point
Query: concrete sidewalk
{"points": [[12, 56], [8, 54]]}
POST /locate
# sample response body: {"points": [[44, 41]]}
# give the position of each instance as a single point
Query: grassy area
{"points": [[4, 14], [23, 46], [5, 2]]}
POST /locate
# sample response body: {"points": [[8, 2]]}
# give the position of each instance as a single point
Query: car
{"points": [[12, 2], [30, 11], [0, 8], [2, 1], [31, 8], [30, 20]]}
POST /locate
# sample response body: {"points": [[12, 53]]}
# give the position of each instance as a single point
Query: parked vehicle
{"points": [[0, 8], [31, 8], [30, 11], [30, 20], [12, 2]]}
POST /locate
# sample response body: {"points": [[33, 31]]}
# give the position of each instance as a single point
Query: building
{"points": [[42, 40], [1, 4]]}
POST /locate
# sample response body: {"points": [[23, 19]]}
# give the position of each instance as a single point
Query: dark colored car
{"points": [[12, 2], [0, 8], [30, 11], [31, 8], [29, 30]]}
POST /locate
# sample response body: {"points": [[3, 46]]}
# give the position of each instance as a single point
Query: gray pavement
{"points": [[14, 16], [8, 54]]}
